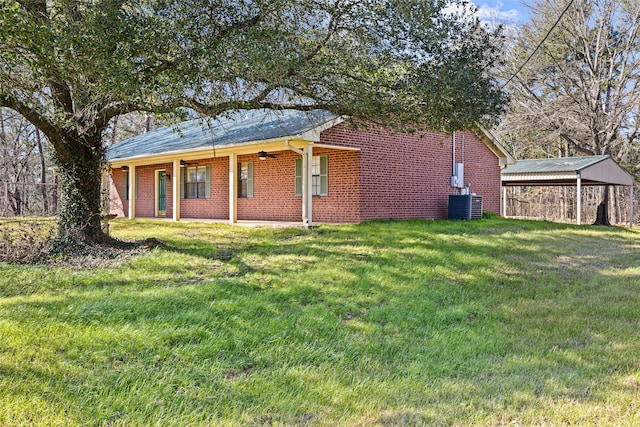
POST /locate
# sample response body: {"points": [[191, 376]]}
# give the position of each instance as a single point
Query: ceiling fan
{"points": [[262, 155]]}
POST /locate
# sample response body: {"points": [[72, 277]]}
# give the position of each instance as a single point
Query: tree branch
{"points": [[576, 145], [52, 132]]}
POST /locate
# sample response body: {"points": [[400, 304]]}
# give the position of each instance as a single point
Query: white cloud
{"points": [[497, 15], [491, 15]]}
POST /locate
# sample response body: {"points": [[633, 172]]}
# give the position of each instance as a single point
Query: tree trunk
{"points": [[602, 216], [43, 175], [149, 122], [114, 130], [80, 215]]}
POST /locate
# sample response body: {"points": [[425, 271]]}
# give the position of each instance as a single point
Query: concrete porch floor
{"points": [[242, 223]]}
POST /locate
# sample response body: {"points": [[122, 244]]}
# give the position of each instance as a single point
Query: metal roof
{"points": [[560, 164], [592, 170], [234, 127]]}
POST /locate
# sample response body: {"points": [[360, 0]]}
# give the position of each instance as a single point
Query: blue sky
{"points": [[502, 11]]}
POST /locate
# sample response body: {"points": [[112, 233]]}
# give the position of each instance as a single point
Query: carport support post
{"points": [[578, 198], [132, 192], [631, 206], [233, 188], [504, 202], [177, 171]]}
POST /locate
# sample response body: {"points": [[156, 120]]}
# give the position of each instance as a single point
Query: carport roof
{"points": [[592, 170]]}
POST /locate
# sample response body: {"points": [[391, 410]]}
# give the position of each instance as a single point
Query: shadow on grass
{"points": [[379, 324]]}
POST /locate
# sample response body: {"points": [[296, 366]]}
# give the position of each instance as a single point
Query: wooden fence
{"points": [[559, 204], [28, 199]]}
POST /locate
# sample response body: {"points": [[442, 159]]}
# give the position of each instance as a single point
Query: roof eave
{"points": [[314, 134], [190, 154], [273, 144], [311, 135], [504, 158], [594, 162]]}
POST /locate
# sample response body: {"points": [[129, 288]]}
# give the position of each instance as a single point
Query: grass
{"points": [[488, 322]]}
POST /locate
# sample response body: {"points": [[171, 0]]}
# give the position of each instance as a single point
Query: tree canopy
{"points": [[582, 88], [71, 66]]}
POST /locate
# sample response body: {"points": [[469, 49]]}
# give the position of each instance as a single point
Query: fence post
{"points": [[6, 198]]}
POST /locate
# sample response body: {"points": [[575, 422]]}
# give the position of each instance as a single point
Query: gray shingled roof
{"points": [[231, 128], [561, 164]]}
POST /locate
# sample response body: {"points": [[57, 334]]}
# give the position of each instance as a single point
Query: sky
{"points": [[502, 11]]}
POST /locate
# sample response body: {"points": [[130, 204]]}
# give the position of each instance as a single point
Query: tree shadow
{"points": [[419, 322]]}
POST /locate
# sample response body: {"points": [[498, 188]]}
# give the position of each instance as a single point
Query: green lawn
{"points": [[487, 322]]}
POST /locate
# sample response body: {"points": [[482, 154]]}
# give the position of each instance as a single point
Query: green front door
{"points": [[162, 194]]}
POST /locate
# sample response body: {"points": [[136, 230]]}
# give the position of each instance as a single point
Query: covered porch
{"points": [[231, 147]]}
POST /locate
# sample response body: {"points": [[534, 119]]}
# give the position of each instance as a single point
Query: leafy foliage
{"points": [[70, 67]]}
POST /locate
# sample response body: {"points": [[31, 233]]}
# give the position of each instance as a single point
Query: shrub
{"points": [[25, 241]]}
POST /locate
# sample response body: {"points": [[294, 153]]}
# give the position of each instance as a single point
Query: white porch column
{"points": [[309, 177], [132, 192], [631, 206], [177, 171], [305, 189], [233, 188], [578, 199]]}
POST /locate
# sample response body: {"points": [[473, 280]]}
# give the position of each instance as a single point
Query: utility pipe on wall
{"points": [[453, 153]]}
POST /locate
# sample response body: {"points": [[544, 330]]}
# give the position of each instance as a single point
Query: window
{"points": [[196, 182], [125, 185], [319, 176], [245, 179]]}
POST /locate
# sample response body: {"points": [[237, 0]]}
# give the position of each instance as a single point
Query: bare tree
{"points": [[580, 93], [23, 166], [132, 124]]}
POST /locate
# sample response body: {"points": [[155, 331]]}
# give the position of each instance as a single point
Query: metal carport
{"points": [[567, 171]]}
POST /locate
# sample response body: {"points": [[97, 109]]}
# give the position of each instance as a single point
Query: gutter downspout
{"points": [[306, 221], [453, 153]]}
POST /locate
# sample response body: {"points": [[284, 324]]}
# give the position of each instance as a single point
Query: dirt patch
{"points": [[106, 255]]}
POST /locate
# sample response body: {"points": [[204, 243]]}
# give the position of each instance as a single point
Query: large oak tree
{"points": [[71, 66]]}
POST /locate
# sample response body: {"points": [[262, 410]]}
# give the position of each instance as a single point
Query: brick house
{"points": [[290, 166]]}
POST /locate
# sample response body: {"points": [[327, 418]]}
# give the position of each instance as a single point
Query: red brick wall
{"points": [[343, 202], [408, 176], [118, 206], [216, 207], [274, 189], [393, 176]]}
